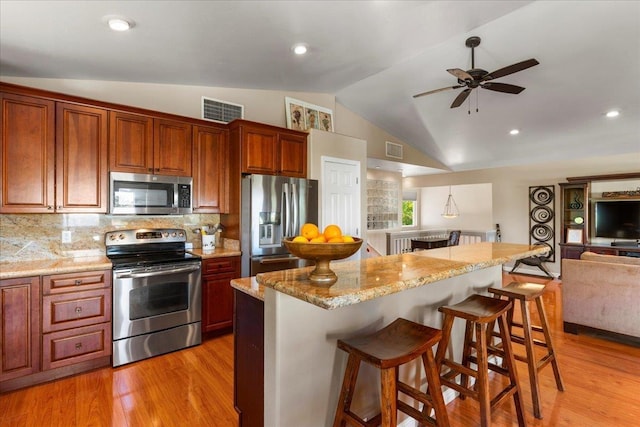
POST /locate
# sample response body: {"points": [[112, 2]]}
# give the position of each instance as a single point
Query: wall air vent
{"points": [[393, 150], [221, 111]]}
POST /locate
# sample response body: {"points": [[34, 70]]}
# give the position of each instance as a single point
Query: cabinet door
{"points": [[172, 148], [210, 170], [130, 142], [27, 154], [259, 152], [293, 155], [81, 158], [19, 327], [217, 294]]}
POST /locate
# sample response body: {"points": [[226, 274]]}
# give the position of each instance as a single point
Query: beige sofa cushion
{"points": [[592, 256]]}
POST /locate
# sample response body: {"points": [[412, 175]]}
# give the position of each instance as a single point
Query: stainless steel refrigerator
{"points": [[274, 207]]}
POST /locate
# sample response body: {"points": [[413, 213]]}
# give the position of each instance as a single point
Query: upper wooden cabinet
{"points": [[270, 150], [28, 154], [210, 170], [143, 144], [81, 158], [53, 156]]}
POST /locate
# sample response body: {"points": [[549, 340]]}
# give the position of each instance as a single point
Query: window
{"points": [[409, 208]]}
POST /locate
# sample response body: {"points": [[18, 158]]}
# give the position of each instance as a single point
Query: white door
{"points": [[341, 195]]}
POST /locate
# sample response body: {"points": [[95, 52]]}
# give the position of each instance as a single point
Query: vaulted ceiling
{"points": [[373, 56]]}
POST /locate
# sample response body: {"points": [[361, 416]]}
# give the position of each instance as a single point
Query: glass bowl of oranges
{"points": [[322, 247]]}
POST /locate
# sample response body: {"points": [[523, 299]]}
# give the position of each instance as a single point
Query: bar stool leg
{"points": [[388, 397], [550, 347], [531, 358], [346, 393], [466, 354], [433, 381], [482, 382], [511, 366]]}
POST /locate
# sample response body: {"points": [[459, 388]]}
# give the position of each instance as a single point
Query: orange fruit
{"points": [[331, 231], [310, 231], [347, 239], [335, 240], [300, 239], [319, 239]]}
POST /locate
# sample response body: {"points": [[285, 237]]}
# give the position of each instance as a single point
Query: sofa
{"points": [[602, 292]]}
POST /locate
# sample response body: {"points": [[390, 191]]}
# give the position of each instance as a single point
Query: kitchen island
{"points": [[287, 327]]}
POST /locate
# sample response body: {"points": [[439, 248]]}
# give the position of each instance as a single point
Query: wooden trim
{"points": [[631, 175]]}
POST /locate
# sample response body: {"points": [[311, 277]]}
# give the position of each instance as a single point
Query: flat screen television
{"points": [[619, 219]]}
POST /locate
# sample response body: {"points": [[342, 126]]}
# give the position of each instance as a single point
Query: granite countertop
{"points": [[367, 279], [11, 270], [15, 269], [216, 253]]}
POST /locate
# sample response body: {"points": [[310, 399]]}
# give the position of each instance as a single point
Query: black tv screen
{"points": [[618, 219]]}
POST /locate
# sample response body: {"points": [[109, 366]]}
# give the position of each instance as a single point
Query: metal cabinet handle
{"points": [[78, 310], [78, 346], [49, 207], [78, 282]]}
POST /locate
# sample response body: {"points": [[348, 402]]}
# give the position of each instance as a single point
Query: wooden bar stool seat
{"points": [[525, 292], [479, 312], [387, 349]]}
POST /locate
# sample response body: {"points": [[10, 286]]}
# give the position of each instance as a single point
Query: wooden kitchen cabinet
{"points": [[27, 154], [217, 294], [270, 150], [76, 318], [53, 156], [19, 328], [143, 144], [81, 158], [210, 170]]}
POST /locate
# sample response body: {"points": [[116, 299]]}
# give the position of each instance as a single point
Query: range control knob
{"points": [[112, 237], [165, 234], [173, 234], [121, 236], [181, 234]]}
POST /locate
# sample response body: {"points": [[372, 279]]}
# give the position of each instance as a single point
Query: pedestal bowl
{"points": [[323, 254]]}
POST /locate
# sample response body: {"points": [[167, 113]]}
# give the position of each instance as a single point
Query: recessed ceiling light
{"points": [[120, 24], [299, 48], [613, 113], [514, 131]]}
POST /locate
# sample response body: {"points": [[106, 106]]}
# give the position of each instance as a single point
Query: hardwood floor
{"points": [[194, 387]]}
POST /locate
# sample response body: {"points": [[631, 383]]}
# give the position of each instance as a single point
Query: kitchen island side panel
{"points": [[304, 368]]}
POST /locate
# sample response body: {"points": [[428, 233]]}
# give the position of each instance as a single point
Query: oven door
{"points": [[155, 298]]}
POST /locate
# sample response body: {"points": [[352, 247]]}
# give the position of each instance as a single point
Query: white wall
{"points": [[474, 203]]}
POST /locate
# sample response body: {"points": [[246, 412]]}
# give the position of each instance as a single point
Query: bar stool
{"points": [[479, 312], [525, 292], [387, 349]]}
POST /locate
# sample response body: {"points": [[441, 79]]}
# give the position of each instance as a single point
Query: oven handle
{"points": [[157, 272], [278, 260]]}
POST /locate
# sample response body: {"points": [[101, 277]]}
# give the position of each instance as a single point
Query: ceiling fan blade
{"points": [[460, 74], [437, 90], [503, 87], [460, 98], [514, 68]]}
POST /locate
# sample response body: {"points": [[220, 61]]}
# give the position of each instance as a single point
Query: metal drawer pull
{"points": [[78, 282], [78, 310], [78, 346]]}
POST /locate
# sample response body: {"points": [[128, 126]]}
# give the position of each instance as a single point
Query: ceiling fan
{"points": [[477, 77]]}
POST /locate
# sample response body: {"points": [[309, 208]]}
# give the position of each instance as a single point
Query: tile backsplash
{"points": [[30, 237]]}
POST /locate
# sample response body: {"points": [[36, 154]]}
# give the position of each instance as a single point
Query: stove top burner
{"points": [[145, 247]]}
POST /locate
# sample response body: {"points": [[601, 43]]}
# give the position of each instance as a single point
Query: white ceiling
{"points": [[373, 56]]}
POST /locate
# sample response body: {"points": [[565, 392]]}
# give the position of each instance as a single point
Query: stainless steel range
{"points": [[157, 300]]}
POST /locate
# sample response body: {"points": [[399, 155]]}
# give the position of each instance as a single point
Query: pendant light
{"points": [[450, 208]]}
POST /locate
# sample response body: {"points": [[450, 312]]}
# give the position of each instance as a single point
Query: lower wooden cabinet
{"points": [[19, 327], [68, 314], [217, 294]]}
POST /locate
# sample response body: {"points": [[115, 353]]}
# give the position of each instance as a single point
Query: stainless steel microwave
{"points": [[141, 194]]}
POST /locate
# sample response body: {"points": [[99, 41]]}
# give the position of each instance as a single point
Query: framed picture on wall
{"points": [[304, 116], [574, 235]]}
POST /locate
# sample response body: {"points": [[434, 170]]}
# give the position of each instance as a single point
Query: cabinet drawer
{"points": [[75, 345], [603, 251], [221, 265], [76, 281], [73, 309]]}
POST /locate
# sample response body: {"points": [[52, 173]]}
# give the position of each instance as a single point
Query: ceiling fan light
{"points": [[514, 132]]}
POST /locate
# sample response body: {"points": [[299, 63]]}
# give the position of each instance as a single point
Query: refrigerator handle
{"points": [[295, 217], [286, 214]]}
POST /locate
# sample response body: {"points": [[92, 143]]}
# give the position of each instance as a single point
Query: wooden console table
{"points": [[428, 243]]}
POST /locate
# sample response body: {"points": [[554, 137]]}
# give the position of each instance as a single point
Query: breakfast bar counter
{"points": [[291, 325]]}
